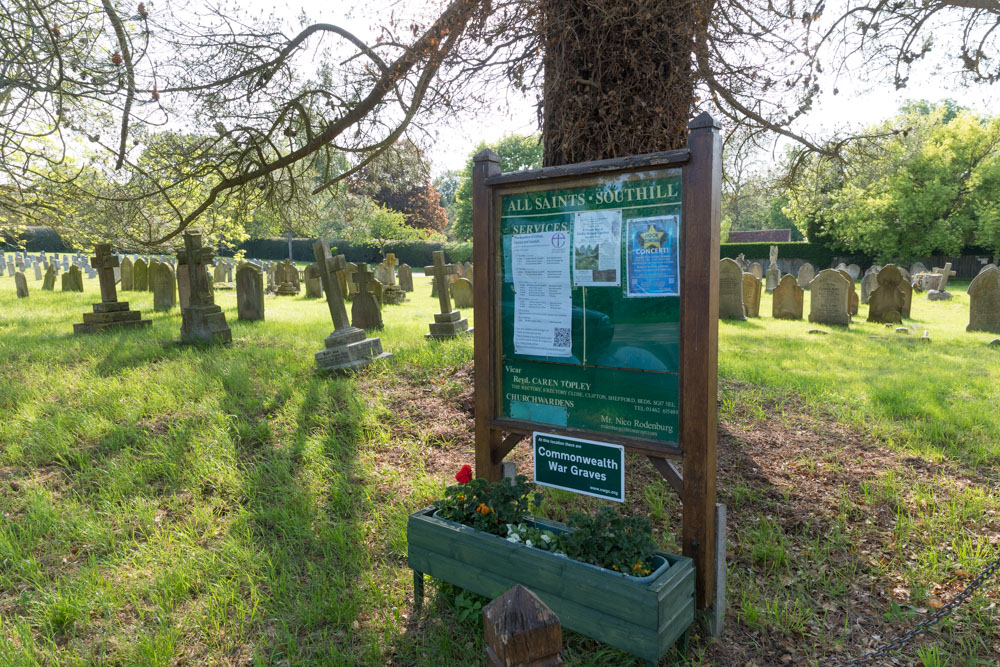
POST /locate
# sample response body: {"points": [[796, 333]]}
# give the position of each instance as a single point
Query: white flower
{"points": [[528, 543], [546, 538], [514, 537]]}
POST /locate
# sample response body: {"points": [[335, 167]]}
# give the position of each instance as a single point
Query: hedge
{"points": [[414, 253], [33, 239]]}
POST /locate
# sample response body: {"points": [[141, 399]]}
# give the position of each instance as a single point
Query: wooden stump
{"points": [[520, 631]]}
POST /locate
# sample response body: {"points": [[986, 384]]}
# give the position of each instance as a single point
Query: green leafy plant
{"points": [[487, 506], [610, 540]]}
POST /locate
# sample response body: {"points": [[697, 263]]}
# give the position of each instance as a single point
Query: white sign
{"points": [[543, 305]]}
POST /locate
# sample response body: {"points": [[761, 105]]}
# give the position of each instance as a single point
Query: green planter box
{"points": [[642, 616]]}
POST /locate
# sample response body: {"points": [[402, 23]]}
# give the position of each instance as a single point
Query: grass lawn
{"points": [[174, 505]]}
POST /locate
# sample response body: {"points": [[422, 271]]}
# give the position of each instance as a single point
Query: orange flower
{"points": [[484, 509]]}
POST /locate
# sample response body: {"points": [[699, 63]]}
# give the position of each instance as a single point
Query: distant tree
{"points": [[517, 152]]}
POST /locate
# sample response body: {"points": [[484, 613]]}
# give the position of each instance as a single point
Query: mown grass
{"points": [[166, 504]]}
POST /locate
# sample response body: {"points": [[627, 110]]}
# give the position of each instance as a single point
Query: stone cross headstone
{"points": [[164, 286], [21, 283], [49, 282], [72, 280], [731, 291], [448, 323], [347, 348], [773, 255], [250, 293], [462, 293], [406, 277], [286, 275], [829, 298], [202, 320], [984, 301], [886, 301], [109, 312], [390, 263], [773, 275], [140, 275], [946, 273], [751, 295], [788, 299], [806, 273], [365, 311], [757, 270]]}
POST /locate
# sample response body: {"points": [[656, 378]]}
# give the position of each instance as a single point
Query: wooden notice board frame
{"points": [[701, 177]]}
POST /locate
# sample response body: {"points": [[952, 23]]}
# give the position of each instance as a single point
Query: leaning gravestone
{"points": [[773, 276], [448, 323], [757, 270], [140, 275], [984, 301], [164, 286], [202, 320], [830, 298], [376, 287], [126, 275], [347, 348], [788, 298], [250, 293], [868, 283], [365, 310], [854, 302], [405, 275], [72, 280], [461, 292], [751, 295], [946, 274], [731, 291], [886, 303], [21, 283], [109, 312], [49, 284], [314, 284], [806, 274]]}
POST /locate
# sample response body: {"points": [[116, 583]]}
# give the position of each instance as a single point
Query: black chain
{"points": [[931, 620]]}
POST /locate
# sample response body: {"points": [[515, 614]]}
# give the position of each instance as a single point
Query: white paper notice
{"points": [[597, 248], [543, 305]]}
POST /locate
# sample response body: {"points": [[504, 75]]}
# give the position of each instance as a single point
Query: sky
{"points": [[858, 104]]}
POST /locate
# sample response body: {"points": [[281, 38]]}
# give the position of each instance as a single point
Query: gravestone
{"points": [[365, 310], [287, 278], [757, 270], [468, 272], [448, 323], [731, 291], [805, 275], [886, 303], [375, 286], [127, 278], [109, 312], [907, 291], [140, 275], [38, 270], [854, 271], [164, 286], [219, 273], [72, 280], [916, 268], [201, 321], [382, 273], [772, 255], [751, 295], [741, 259], [250, 293], [946, 273], [21, 283], [903, 272], [459, 270], [854, 302], [462, 293], [49, 284], [868, 283], [150, 269], [183, 289], [347, 348], [830, 298], [392, 293], [352, 287], [788, 298], [406, 277], [984, 301], [773, 276], [314, 284], [987, 267]]}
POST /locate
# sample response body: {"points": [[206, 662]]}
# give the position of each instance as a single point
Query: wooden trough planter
{"points": [[643, 616]]}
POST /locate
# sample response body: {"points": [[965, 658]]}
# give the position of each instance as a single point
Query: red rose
{"points": [[464, 475]]}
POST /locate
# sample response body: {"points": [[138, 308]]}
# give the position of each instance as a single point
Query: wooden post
{"points": [[699, 349], [486, 163], [521, 631]]}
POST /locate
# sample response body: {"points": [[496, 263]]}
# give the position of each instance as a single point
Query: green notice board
{"points": [[590, 304]]}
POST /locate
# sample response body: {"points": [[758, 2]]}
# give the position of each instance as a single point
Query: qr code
{"points": [[561, 337]]}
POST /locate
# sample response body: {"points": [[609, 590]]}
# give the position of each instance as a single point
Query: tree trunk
{"points": [[619, 77]]}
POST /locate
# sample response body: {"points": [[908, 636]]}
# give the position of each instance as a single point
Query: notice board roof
{"points": [[661, 159]]}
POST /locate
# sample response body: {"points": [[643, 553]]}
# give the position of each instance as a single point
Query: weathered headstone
{"points": [[886, 302], [352, 287], [219, 272], [72, 280], [830, 298], [250, 293], [788, 298], [183, 289], [448, 323], [347, 348], [314, 284], [946, 274], [127, 276], [140, 275], [286, 275], [987, 267], [757, 270], [917, 267], [984, 301], [731, 291], [376, 287], [806, 274], [854, 300], [773, 276], [751, 295], [21, 283], [868, 283], [365, 310], [392, 293], [202, 320], [109, 312], [462, 293], [854, 271], [468, 272], [773, 255], [49, 283], [406, 277], [907, 291], [38, 270], [164, 286], [382, 273]]}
